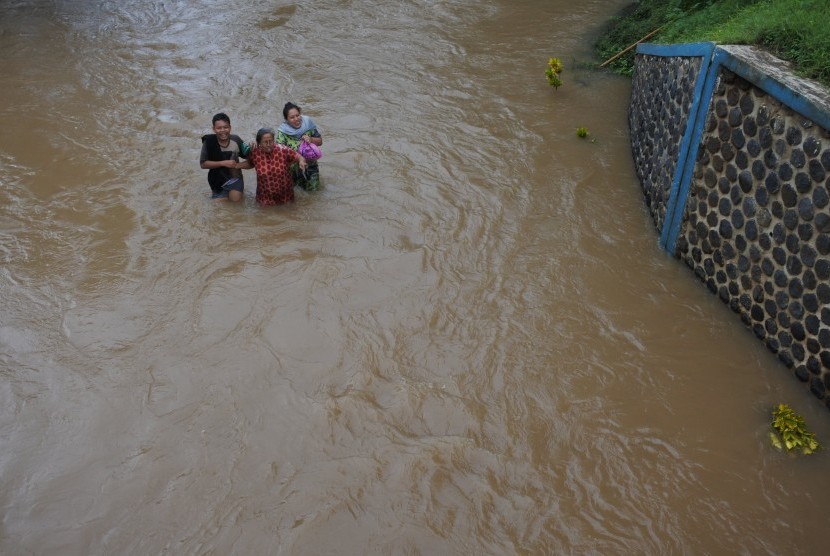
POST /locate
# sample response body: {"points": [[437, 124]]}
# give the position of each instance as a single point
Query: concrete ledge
{"points": [[777, 78]]}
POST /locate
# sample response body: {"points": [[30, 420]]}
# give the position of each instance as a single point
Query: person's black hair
{"points": [[221, 116], [288, 106], [264, 131]]}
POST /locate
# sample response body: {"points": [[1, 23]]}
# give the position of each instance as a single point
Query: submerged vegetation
{"points": [[555, 67], [790, 431], [793, 30]]}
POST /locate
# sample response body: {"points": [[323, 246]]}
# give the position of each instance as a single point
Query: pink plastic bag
{"points": [[309, 151]]}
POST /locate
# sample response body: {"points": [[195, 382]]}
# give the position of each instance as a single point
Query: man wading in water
{"points": [[220, 156]]}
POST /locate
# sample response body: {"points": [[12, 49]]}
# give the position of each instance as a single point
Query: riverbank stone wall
{"points": [[658, 118], [755, 220]]}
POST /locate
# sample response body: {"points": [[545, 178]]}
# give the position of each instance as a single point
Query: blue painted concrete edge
{"points": [[705, 88], [775, 89], [688, 49], [691, 138]]}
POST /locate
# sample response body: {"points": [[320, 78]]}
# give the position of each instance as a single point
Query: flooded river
{"points": [[467, 342]]}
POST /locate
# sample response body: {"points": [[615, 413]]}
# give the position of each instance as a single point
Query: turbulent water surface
{"points": [[468, 342]]}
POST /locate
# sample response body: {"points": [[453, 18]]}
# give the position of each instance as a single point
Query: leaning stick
{"points": [[618, 54]]}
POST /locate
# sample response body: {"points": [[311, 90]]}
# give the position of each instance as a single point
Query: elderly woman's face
{"points": [[266, 142]]}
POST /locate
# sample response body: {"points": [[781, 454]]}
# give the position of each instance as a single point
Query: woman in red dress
{"points": [[274, 183]]}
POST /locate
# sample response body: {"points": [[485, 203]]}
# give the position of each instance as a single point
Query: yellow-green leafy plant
{"points": [[582, 132], [555, 67], [790, 431]]}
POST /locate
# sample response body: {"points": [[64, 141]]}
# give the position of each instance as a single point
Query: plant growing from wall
{"points": [[790, 431], [555, 67]]}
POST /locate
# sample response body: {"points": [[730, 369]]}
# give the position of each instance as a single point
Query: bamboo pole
{"points": [[618, 54]]}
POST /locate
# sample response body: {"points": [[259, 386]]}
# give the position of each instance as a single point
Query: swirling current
{"points": [[467, 342]]}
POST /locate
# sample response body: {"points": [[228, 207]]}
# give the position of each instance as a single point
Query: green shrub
{"points": [[794, 30]]}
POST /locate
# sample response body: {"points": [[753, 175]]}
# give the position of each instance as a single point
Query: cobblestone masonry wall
{"points": [[657, 118], [756, 224]]}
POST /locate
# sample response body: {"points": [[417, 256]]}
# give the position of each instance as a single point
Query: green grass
{"points": [[794, 30]]}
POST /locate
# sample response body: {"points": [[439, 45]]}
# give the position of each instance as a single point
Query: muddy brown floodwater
{"points": [[468, 342]]}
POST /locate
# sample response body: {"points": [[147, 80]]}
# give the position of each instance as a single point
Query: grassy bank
{"points": [[794, 30]]}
